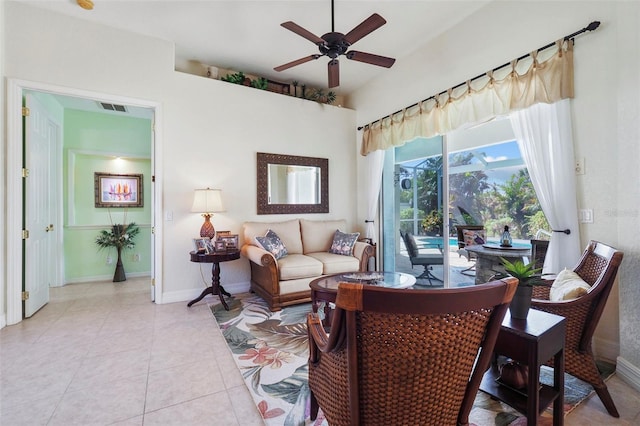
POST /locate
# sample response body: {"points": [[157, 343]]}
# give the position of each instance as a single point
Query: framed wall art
{"points": [[114, 190]]}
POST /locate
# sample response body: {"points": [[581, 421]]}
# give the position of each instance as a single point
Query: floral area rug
{"points": [[271, 351]]}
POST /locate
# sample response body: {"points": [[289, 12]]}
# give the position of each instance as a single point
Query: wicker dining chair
{"points": [[398, 357], [598, 266]]}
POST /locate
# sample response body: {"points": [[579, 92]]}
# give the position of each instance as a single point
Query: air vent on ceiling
{"points": [[113, 107]]}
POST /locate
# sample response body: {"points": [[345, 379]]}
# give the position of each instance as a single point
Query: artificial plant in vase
{"points": [[527, 276], [120, 236]]}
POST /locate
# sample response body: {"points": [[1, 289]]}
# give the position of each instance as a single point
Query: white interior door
{"points": [[40, 198]]}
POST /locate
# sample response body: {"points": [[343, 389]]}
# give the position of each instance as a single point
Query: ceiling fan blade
{"points": [[367, 26], [334, 73], [297, 62], [370, 58], [291, 26]]}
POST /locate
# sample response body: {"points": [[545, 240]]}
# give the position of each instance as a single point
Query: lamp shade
{"points": [[207, 201]]}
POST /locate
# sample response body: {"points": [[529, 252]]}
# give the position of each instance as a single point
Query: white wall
{"points": [[210, 130], [605, 119]]}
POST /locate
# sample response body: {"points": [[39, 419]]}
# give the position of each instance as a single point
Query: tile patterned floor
{"points": [[103, 354]]}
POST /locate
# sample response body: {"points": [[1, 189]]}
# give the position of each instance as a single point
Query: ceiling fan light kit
{"points": [[335, 44]]}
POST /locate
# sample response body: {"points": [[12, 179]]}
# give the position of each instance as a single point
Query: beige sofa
{"points": [[286, 281]]}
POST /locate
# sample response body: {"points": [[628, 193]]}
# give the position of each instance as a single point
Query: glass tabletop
{"points": [[397, 280]]}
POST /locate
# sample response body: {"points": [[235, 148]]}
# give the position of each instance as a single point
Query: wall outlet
{"points": [[109, 260], [136, 257], [580, 166]]}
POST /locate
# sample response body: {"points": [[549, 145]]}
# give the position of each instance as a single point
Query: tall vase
{"points": [[521, 302], [119, 275]]}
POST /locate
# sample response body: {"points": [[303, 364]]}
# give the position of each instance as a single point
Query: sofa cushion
{"points": [[288, 231], [298, 266], [272, 243], [568, 285], [343, 243], [336, 263], [317, 235]]}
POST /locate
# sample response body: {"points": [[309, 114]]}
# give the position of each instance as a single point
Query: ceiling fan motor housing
{"points": [[334, 46]]}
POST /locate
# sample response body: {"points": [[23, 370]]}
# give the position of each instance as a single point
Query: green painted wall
{"points": [[102, 142]]}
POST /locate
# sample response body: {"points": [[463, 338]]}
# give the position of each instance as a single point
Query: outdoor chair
{"points": [[427, 260], [405, 357], [466, 234], [597, 267], [539, 252]]}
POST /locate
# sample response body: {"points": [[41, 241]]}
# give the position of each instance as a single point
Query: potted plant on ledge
{"points": [[121, 237], [527, 276]]}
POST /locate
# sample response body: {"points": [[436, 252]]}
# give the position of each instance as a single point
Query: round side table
{"points": [[215, 259]]}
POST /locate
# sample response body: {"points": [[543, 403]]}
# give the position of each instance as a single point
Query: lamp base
{"points": [[207, 229]]}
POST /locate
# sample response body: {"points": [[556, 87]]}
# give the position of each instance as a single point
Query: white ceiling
{"points": [[246, 35]]}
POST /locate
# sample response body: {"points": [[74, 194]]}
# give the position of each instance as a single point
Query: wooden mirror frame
{"points": [[263, 162]]}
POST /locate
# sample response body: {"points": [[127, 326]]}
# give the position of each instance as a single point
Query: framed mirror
{"points": [[292, 184]]}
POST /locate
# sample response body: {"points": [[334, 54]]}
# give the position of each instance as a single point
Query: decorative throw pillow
{"points": [[343, 243], [473, 237], [568, 285], [272, 243]]}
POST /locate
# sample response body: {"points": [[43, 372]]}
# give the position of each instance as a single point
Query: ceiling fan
{"points": [[334, 44]]}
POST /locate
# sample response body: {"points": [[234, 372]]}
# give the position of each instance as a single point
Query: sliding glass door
{"points": [[474, 178]]}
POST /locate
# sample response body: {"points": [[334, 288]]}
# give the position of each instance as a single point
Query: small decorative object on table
{"points": [[121, 237], [505, 240], [527, 276], [220, 245]]}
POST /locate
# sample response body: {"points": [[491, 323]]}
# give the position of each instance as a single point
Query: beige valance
{"points": [[541, 81]]}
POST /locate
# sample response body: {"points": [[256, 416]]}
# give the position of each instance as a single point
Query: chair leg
{"points": [[469, 269], [313, 412], [428, 275], [607, 401]]}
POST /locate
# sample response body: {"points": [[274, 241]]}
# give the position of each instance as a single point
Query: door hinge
{"points": [[153, 229], [25, 234], [25, 172], [153, 282], [25, 111], [25, 295], [153, 178]]}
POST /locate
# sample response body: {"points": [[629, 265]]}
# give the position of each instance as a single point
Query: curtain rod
{"points": [[591, 27]]}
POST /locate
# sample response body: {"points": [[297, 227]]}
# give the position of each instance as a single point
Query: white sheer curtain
{"points": [[545, 140], [375, 162]]}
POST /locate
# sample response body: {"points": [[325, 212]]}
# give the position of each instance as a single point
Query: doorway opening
{"points": [[75, 221]]}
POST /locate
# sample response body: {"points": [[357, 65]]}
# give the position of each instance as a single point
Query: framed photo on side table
{"points": [[220, 245], [200, 245], [230, 241]]}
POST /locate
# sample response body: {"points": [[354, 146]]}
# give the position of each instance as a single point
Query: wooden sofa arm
{"points": [[264, 269], [258, 255], [363, 251]]}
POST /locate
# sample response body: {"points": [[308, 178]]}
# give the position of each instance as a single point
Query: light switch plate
{"points": [[586, 215]]}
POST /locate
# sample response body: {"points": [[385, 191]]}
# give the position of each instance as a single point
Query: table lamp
{"points": [[207, 201]]}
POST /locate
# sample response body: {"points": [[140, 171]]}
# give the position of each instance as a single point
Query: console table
{"points": [[531, 342], [215, 259]]}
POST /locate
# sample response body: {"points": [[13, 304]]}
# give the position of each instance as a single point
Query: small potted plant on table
{"points": [[527, 276]]}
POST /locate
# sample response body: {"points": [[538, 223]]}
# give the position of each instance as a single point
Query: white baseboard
{"points": [[3, 321], [606, 349], [628, 372], [104, 278], [187, 295]]}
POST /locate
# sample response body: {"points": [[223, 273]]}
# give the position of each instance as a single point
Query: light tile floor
{"points": [[103, 354]]}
